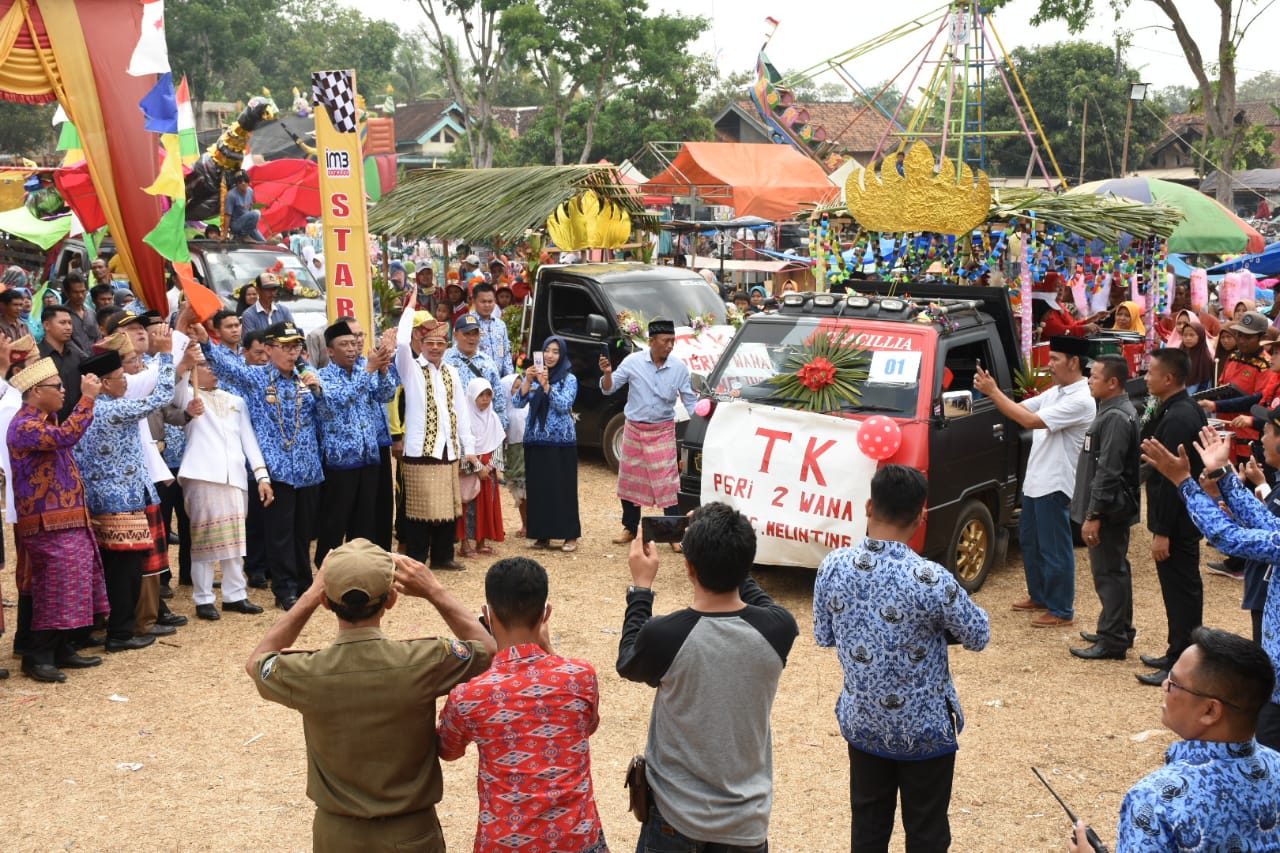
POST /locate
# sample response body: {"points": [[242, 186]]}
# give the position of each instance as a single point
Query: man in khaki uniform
{"points": [[368, 702]]}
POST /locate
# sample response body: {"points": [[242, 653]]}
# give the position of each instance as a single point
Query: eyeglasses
{"points": [[57, 385], [1170, 683]]}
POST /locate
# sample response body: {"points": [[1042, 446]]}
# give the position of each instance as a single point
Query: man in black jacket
{"points": [[1105, 505], [1175, 543]]}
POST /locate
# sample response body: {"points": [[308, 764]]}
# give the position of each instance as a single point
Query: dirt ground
{"points": [[217, 768]]}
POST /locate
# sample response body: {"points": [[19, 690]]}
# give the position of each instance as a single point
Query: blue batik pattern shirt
{"points": [[110, 455], [1254, 535], [488, 370], [495, 342], [287, 427], [356, 403], [559, 429], [888, 611], [1210, 797]]}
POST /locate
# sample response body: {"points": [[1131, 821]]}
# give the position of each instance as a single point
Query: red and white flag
{"points": [[151, 55]]}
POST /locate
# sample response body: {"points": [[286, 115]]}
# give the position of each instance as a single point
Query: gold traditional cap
{"points": [[33, 374], [21, 349], [119, 342]]}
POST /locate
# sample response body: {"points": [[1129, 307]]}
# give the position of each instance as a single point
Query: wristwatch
{"points": [[1219, 473], [634, 588]]}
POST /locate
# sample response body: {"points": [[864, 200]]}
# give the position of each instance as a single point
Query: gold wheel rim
{"points": [[971, 550]]}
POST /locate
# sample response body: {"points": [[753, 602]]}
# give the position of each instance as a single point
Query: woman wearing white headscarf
{"points": [[481, 519]]}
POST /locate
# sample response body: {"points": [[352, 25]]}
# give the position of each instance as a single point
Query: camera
{"points": [[664, 528]]}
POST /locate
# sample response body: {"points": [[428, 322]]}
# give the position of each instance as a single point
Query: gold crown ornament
{"points": [[587, 221], [920, 199]]}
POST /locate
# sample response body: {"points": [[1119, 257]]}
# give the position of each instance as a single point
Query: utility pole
{"points": [[1137, 92], [1084, 123]]}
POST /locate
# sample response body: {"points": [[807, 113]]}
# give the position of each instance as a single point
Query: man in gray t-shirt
{"points": [[716, 666]]}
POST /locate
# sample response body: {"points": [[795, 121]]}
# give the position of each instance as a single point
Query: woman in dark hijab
{"points": [[1195, 343], [551, 447]]}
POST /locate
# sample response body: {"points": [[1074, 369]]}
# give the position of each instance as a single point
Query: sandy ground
{"points": [[220, 769]]}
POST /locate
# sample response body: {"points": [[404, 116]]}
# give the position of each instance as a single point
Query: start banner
{"points": [[799, 477], [343, 215]]}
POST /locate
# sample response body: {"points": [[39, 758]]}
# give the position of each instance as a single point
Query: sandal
{"points": [[540, 544], [467, 551], [569, 547], [486, 550]]}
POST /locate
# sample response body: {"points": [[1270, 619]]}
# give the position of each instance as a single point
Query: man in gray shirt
{"points": [[711, 771]]}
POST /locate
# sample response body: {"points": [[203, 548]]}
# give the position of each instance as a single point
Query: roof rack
{"points": [[873, 305]]}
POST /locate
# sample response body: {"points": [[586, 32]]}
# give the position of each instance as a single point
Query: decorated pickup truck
{"points": [[897, 372]]}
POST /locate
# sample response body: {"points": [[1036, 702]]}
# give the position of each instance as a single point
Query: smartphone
{"points": [[538, 361], [664, 528]]}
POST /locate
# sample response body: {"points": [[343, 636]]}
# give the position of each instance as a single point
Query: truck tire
{"points": [[972, 549], [611, 441]]}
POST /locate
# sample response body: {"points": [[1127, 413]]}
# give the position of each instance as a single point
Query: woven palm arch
{"points": [[501, 205]]}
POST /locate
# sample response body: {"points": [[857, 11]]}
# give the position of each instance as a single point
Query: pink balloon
{"points": [[879, 437], [702, 408]]}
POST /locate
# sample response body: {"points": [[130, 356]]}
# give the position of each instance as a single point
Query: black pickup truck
{"points": [[975, 457]]}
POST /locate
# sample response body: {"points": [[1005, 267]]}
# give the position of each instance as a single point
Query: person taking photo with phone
{"points": [[549, 390]]}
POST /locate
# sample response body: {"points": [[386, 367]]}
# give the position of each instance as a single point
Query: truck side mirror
{"points": [[957, 404], [699, 383], [596, 327]]}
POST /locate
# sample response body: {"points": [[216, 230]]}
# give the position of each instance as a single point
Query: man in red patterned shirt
{"points": [[530, 716]]}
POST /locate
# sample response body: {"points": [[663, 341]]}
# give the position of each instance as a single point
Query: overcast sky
{"points": [[812, 31]]}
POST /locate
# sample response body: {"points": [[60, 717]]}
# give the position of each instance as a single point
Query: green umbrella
{"points": [[1207, 227]]}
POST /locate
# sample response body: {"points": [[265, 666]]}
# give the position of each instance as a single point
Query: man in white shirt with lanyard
{"points": [[1060, 416]]}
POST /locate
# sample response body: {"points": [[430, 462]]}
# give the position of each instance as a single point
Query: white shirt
{"points": [[10, 402], [138, 386], [412, 378], [1067, 411], [220, 441]]}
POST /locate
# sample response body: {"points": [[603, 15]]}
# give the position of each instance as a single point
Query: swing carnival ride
{"points": [[930, 212]]}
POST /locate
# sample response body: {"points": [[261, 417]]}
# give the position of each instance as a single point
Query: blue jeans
{"points": [[246, 225], [1048, 555], [658, 836]]}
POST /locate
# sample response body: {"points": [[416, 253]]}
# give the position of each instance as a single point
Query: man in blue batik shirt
{"points": [[356, 391], [890, 614], [1219, 790], [1251, 531], [471, 362]]}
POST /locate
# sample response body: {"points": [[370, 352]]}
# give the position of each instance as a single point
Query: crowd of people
{"points": [[124, 429]]}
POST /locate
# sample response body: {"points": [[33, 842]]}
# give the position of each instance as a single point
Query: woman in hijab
{"points": [[757, 300], [1195, 343], [1129, 318], [551, 448], [481, 519], [247, 299]]}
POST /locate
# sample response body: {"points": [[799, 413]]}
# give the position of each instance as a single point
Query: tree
{"points": [[1059, 79], [1253, 152], [25, 130], [1263, 87], [1217, 97], [724, 91], [1176, 99], [211, 39], [310, 35]]}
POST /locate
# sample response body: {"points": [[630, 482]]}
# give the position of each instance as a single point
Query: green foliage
{"points": [[845, 364], [1251, 149], [1058, 79], [25, 129]]}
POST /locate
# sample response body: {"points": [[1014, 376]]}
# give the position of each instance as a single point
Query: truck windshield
{"points": [[760, 351], [677, 301], [236, 267]]}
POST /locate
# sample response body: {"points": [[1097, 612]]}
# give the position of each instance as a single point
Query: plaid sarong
{"points": [[158, 560], [647, 472], [431, 491]]}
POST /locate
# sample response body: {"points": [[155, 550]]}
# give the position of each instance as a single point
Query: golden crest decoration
{"points": [[588, 221], [922, 198]]}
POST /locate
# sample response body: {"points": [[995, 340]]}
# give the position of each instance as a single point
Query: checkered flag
{"points": [[333, 91]]}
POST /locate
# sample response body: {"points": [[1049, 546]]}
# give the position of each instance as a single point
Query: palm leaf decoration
{"points": [[823, 377], [497, 204]]}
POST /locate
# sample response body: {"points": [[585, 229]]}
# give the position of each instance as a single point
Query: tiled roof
{"points": [[852, 127]]}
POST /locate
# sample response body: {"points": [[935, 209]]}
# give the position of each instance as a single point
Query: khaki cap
{"points": [[358, 565]]}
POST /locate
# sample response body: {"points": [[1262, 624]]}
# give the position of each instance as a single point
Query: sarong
{"points": [[158, 560], [431, 492], [123, 531], [553, 492], [487, 523], [647, 472], [67, 585], [217, 512]]}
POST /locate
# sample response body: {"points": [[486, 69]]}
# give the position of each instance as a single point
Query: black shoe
{"points": [[451, 566], [1099, 652], [158, 630], [244, 605], [176, 620], [286, 603], [4, 673], [258, 583], [207, 611], [1154, 679], [129, 644], [74, 661], [89, 642], [1088, 637], [1161, 662], [45, 672], [173, 539], [166, 592]]}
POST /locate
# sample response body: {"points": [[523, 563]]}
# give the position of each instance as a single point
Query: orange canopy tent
{"points": [[773, 182]]}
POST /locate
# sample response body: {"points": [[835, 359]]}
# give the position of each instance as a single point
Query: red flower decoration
{"points": [[817, 374]]}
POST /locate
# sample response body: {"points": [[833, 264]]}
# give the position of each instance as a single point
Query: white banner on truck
{"points": [[799, 477]]}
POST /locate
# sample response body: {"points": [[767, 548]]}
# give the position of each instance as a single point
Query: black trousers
{"points": [[288, 525], [22, 633], [631, 514], [1113, 581], [348, 507], [172, 503], [874, 784], [384, 502], [49, 647], [255, 537], [1183, 593], [122, 571], [428, 542]]}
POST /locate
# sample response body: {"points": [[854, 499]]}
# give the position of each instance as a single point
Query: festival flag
{"points": [[151, 55], [160, 106], [170, 181], [68, 138], [203, 301], [188, 146], [169, 237]]}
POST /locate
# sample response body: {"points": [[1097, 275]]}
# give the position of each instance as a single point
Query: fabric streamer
{"points": [[1199, 289]]}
